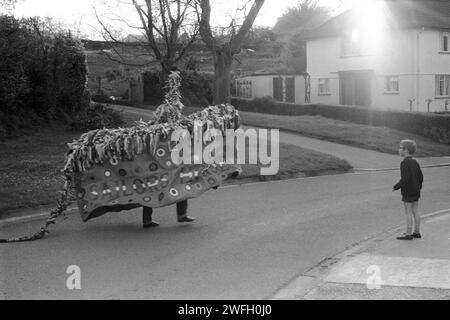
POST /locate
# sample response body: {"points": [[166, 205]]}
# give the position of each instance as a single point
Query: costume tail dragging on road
{"points": [[120, 169]]}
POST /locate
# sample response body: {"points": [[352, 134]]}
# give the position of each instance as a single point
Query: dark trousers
{"points": [[147, 215], [148, 211], [182, 208]]}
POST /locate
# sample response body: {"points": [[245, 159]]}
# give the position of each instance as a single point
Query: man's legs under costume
{"points": [[182, 216]]}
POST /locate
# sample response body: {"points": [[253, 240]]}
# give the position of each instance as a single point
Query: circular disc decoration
{"points": [[160, 152], [107, 173], [198, 185], [174, 192], [114, 161], [81, 193], [147, 199], [161, 196], [188, 187], [122, 172], [153, 167]]}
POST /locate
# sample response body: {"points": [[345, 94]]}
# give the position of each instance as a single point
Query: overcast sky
{"points": [[78, 13]]}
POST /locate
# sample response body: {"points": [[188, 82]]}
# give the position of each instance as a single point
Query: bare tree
{"points": [[167, 28], [224, 45]]}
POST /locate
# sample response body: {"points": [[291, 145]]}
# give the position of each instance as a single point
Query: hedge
{"points": [[431, 125], [43, 74]]}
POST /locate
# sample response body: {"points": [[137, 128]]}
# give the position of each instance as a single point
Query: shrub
{"points": [[431, 125], [196, 88], [43, 74], [101, 97], [97, 116]]}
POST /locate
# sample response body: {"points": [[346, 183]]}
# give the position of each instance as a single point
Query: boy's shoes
{"points": [[417, 235], [151, 224], [186, 219], [405, 237]]}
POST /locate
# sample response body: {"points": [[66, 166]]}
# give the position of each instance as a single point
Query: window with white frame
{"points": [[391, 84], [445, 45], [324, 86], [443, 85], [244, 88]]}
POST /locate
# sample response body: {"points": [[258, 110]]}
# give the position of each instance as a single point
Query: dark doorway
{"points": [[355, 88], [278, 88], [290, 89]]}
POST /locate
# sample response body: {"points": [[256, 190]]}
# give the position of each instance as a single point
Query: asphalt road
{"points": [[248, 241]]}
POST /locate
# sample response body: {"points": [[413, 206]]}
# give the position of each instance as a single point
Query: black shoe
{"points": [[417, 235], [405, 237], [151, 224], [186, 219]]}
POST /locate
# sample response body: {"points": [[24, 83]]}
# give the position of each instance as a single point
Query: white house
{"points": [[289, 88], [383, 54]]}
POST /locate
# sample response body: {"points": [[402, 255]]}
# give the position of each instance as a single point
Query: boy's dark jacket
{"points": [[411, 178]]}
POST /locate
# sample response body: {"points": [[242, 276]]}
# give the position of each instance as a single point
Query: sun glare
{"points": [[371, 21]]}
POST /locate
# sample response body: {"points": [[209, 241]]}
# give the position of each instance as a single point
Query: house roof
{"points": [[433, 14]]}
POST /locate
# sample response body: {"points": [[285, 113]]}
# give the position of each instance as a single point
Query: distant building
{"points": [[289, 88], [386, 54]]}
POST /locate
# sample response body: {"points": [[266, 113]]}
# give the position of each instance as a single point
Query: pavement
{"points": [[383, 268]]}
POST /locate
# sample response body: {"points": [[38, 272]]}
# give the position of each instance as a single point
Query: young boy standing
{"points": [[410, 185]]}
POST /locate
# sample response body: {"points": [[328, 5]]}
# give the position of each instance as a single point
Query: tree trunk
{"points": [[166, 66], [222, 75]]}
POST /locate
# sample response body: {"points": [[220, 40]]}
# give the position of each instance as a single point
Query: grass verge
{"points": [[363, 136], [368, 137], [30, 168]]}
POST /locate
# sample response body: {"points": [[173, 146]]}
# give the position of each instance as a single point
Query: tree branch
{"points": [[205, 26], [246, 26], [148, 27], [185, 47], [163, 20]]}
